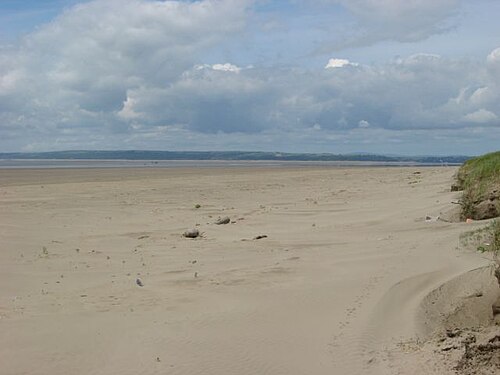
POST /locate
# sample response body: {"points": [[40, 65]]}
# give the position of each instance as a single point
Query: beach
{"points": [[341, 273]]}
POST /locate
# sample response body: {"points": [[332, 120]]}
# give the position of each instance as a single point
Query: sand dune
{"points": [[344, 273]]}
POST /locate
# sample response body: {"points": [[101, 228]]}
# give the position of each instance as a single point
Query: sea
{"points": [[93, 163]]}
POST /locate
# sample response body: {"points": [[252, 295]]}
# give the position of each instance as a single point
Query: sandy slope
{"points": [[342, 275]]}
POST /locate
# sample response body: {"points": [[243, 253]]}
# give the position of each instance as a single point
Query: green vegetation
{"points": [[490, 238], [485, 240], [479, 178], [480, 169], [493, 246]]}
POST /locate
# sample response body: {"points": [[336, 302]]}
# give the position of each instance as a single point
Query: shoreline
{"points": [[119, 163]]}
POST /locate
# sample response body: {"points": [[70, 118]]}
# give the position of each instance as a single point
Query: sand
{"points": [[348, 270]]}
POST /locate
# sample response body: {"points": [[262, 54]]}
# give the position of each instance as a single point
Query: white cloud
{"points": [[494, 56], [8, 80], [338, 63], [481, 116], [482, 95], [127, 112], [364, 124], [226, 68]]}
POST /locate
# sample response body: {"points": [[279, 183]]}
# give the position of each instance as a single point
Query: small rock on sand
{"points": [[139, 282], [223, 220], [260, 237], [192, 233], [431, 219], [496, 307]]}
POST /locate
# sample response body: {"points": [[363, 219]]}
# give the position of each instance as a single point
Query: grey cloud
{"points": [[402, 21], [419, 92], [90, 56], [131, 74], [208, 101]]}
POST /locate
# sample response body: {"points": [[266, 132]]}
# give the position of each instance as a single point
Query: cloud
{"points": [[208, 100], [77, 71], [494, 56], [363, 124], [127, 112], [419, 58], [226, 68], [338, 63], [420, 93], [141, 74], [395, 20], [481, 116]]}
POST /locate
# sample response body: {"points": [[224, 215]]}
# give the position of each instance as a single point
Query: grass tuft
{"points": [[490, 238], [485, 240]]}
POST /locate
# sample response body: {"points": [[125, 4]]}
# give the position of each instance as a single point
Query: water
{"points": [[67, 163]]}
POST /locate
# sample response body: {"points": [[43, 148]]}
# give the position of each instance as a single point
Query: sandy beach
{"points": [[349, 269]]}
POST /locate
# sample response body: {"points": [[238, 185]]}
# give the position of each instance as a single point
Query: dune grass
{"points": [[478, 178], [490, 238], [494, 246], [484, 240]]}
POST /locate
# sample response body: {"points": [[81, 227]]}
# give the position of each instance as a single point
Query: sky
{"points": [[408, 77]]}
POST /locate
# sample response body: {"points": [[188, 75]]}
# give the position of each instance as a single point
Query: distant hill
{"points": [[227, 155]]}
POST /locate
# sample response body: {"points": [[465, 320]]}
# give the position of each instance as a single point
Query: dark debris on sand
{"points": [[480, 357]]}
